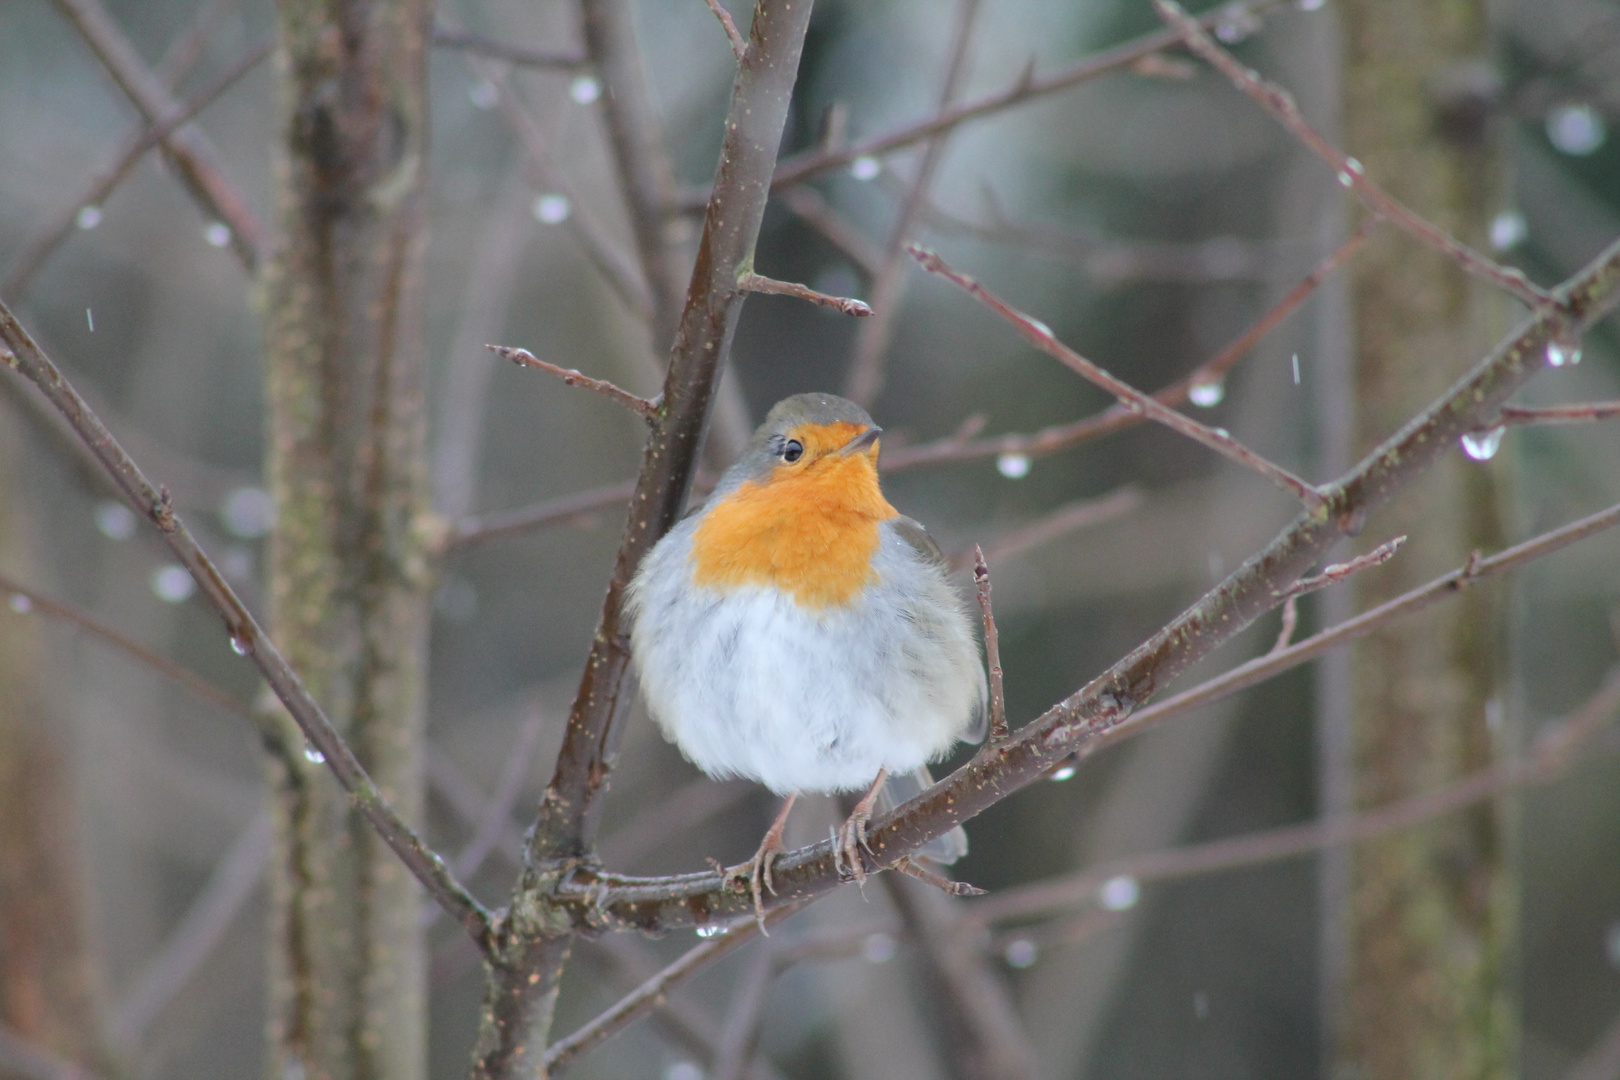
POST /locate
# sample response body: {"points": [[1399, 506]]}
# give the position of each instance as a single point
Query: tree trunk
{"points": [[1431, 910], [348, 580]]}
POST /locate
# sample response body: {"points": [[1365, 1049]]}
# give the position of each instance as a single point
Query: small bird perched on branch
{"points": [[799, 631]]}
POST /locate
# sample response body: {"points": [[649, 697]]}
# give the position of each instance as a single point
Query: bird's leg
{"points": [[852, 836], [757, 871]]}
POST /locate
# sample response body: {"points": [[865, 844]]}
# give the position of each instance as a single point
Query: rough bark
{"points": [[348, 584], [1432, 910]]}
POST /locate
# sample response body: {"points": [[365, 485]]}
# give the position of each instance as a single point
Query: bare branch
{"points": [[1081, 514], [992, 647], [1560, 414], [1027, 87], [232, 884], [192, 153], [1264, 667], [567, 508], [447, 37], [1290, 619], [739, 47], [642, 407], [38, 248], [1553, 753], [842, 304], [650, 994], [866, 369], [27, 601], [1337, 572], [1040, 335], [1280, 104], [22, 355], [1117, 417], [808, 204]]}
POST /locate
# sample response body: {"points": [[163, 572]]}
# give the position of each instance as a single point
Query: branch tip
{"points": [[844, 305], [646, 408], [739, 47]]}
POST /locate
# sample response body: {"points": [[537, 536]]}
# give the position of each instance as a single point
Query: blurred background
{"points": [[1148, 217]]}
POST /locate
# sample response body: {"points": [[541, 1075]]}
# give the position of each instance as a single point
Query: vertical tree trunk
{"points": [[1432, 910], [348, 584]]}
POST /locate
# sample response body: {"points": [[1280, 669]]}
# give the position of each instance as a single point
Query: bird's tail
{"points": [[902, 786]]}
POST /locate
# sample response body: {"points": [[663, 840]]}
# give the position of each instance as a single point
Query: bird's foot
{"points": [[851, 838], [755, 874]]}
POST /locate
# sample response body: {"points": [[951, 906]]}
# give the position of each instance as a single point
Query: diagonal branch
{"points": [[1553, 753], [1040, 335], [642, 407], [193, 154], [22, 355], [1117, 417], [1280, 104], [38, 247]]}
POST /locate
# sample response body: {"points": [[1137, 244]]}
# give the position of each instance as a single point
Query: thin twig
{"points": [[1040, 335], [992, 647], [1027, 87], [1337, 572], [38, 248], [642, 407], [1290, 620], [650, 994], [838, 230], [1081, 514], [867, 363], [1553, 752], [914, 869], [747, 1008], [193, 155], [1273, 663], [1280, 104], [35, 602], [496, 819], [1117, 417], [233, 883], [247, 638], [739, 47], [448, 37], [566, 508], [844, 305], [1559, 414]]}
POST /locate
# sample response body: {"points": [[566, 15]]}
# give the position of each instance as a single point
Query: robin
{"points": [[800, 632]]}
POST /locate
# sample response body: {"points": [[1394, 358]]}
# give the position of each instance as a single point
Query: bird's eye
{"points": [[793, 451]]}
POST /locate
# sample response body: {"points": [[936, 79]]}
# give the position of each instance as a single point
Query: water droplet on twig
{"points": [[1483, 445]]}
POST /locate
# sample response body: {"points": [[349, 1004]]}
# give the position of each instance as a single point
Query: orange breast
{"points": [[810, 533]]}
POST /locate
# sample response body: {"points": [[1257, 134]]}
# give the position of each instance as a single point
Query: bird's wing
{"points": [[915, 535]]}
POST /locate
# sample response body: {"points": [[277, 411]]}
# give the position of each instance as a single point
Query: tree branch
{"points": [[1280, 104], [22, 355], [842, 304], [1040, 335], [193, 155], [1117, 417], [642, 407]]}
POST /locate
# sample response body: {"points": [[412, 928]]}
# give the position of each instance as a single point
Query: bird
{"points": [[799, 631]]}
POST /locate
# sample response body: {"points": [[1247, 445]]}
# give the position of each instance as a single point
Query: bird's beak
{"points": [[860, 443]]}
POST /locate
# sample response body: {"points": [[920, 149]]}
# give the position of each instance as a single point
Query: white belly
{"points": [[749, 684]]}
